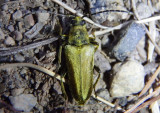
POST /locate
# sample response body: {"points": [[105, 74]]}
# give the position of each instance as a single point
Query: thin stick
{"points": [[106, 102], [42, 69], [152, 30], [154, 107], [150, 37], [97, 33], [143, 99], [78, 14], [14, 50], [150, 82], [146, 104], [136, 14], [150, 19]]}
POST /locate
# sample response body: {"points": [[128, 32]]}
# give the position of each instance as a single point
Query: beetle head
{"points": [[77, 21]]}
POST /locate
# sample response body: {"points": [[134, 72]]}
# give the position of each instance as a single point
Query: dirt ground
{"points": [[31, 31]]}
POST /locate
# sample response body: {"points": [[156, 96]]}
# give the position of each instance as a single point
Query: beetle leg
{"points": [[62, 87], [94, 86], [59, 57], [63, 37]]}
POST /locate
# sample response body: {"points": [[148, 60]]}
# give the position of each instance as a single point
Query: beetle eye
{"points": [[82, 22]]}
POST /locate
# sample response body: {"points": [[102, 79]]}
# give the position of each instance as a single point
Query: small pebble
{"points": [[2, 110], [29, 21], [3, 14], [11, 28], [19, 58], [42, 17], [23, 102], [100, 85], [2, 87], [5, 7], [18, 35], [101, 62], [57, 87], [17, 15], [128, 78], [126, 40], [100, 111], [23, 71], [143, 10], [9, 41], [34, 30], [2, 36], [104, 94], [16, 91], [20, 26]]}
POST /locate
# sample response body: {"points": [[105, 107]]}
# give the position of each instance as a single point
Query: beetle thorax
{"points": [[78, 36]]}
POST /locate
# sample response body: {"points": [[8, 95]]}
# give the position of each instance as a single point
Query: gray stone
{"points": [[143, 10], [29, 21], [9, 41], [101, 62], [16, 92], [17, 15], [23, 102], [11, 28], [19, 58], [97, 6], [2, 36], [100, 85], [18, 35], [34, 30], [104, 94], [42, 17], [5, 7], [128, 78], [100, 111], [126, 40], [57, 87]]}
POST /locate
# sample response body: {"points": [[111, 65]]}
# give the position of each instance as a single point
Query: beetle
{"points": [[79, 56]]}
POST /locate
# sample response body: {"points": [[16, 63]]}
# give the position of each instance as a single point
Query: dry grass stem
{"points": [[106, 102], [156, 92], [146, 104], [152, 30], [42, 69], [14, 50], [150, 82], [78, 14], [154, 106], [150, 19]]}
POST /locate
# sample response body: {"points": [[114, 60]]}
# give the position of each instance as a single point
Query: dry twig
{"points": [[14, 50], [146, 103], [150, 82], [149, 35], [154, 106], [78, 14], [156, 92]]}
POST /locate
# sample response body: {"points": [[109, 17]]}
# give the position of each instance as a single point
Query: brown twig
{"points": [[14, 50], [156, 92], [150, 82], [149, 35], [42, 69], [146, 103]]}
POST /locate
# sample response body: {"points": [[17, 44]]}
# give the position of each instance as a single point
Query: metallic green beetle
{"points": [[79, 55]]}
